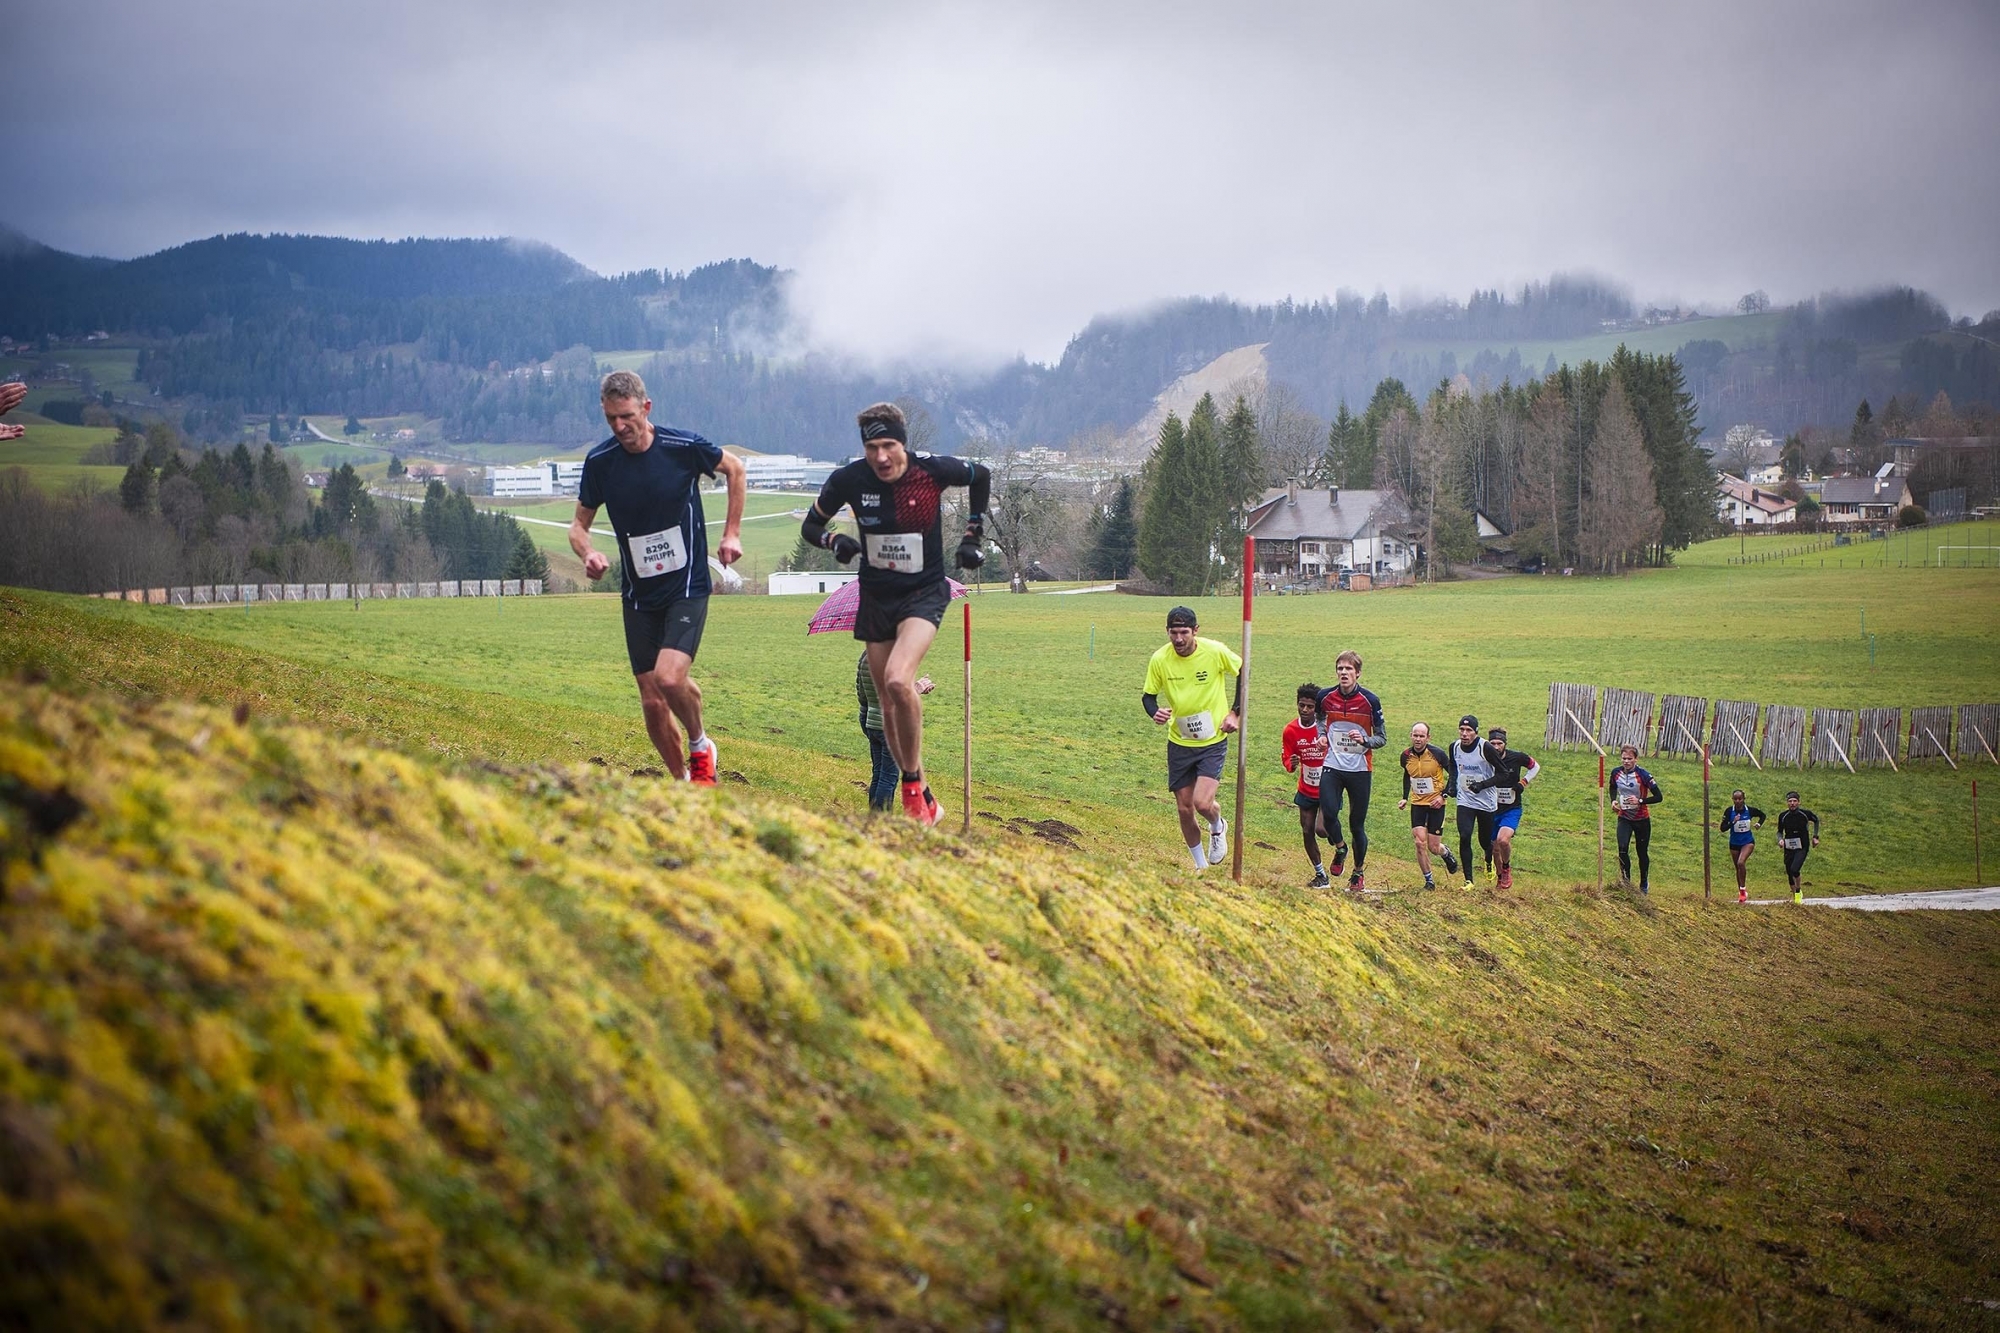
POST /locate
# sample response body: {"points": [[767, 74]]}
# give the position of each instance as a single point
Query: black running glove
{"points": [[844, 547], [969, 555], [1482, 784]]}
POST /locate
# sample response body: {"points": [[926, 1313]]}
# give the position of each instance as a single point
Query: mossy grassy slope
{"points": [[306, 1032]]}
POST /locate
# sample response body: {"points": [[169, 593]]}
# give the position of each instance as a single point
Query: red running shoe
{"points": [[1506, 880], [920, 805], [701, 766]]}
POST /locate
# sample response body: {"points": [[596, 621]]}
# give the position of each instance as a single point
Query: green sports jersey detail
{"points": [[1198, 689]]}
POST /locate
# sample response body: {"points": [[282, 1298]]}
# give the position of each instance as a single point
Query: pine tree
{"points": [[526, 561], [1621, 513], [1343, 437], [1114, 548], [1242, 459], [1170, 547], [135, 490]]}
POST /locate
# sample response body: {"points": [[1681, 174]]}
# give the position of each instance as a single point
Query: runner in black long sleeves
{"points": [[1513, 770], [1792, 822], [894, 495], [1633, 790]]}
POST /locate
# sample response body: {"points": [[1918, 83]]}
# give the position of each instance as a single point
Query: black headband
{"points": [[883, 430]]}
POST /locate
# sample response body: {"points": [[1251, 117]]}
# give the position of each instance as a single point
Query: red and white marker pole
{"points": [[1243, 714], [1707, 823], [965, 818]]}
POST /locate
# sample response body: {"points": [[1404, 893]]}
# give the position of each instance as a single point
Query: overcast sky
{"points": [[978, 180]]}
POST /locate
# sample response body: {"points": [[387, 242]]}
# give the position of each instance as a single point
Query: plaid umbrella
{"points": [[837, 612]]}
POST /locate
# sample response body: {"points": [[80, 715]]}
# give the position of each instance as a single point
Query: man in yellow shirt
{"points": [[1185, 687]]}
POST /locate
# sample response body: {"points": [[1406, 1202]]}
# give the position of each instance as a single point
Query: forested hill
{"points": [[236, 328]]}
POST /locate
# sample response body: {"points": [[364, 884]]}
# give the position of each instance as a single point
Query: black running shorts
{"points": [[1427, 817], [677, 625], [1185, 763], [880, 613]]}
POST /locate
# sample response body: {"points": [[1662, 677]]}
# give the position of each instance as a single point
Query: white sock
{"points": [[1217, 825], [701, 742], [1200, 856]]}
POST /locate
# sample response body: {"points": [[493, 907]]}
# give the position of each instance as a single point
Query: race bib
{"points": [[1742, 826], [1622, 802], [1506, 795], [658, 553], [1422, 786], [1196, 726], [1311, 775], [1347, 741], [902, 552], [1791, 844]]}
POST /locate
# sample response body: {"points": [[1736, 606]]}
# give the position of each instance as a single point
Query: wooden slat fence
{"points": [[1930, 733], [1683, 722], [1875, 739], [1562, 733], [1628, 716], [1978, 731], [1832, 736], [1735, 726], [1784, 736]]}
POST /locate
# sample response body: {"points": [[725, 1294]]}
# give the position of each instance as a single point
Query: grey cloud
{"points": [[980, 179]]}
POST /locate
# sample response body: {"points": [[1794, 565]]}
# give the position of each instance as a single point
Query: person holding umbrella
{"points": [[895, 496]]}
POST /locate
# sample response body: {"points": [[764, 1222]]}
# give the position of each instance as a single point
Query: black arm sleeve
{"points": [[822, 512], [1151, 703], [979, 490], [1406, 776], [1657, 796], [1815, 822], [1451, 771], [1237, 707]]}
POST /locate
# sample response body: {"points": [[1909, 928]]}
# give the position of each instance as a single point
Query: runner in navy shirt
{"points": [[894, 495], [648, 478]]}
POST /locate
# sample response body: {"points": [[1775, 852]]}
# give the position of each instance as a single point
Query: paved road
{"points": [[1947, 900]]}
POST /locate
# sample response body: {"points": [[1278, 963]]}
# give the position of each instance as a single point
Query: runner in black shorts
{"points": [[1792, 823], [1426, 780], [1352, 719], [894, 495], [647, 478]]}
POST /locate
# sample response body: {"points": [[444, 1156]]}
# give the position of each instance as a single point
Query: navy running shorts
{"points": [[677, 625]]}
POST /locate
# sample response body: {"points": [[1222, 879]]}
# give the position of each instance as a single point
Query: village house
{"points": [[1863, 500], [1740, 504], [1312, 535]]}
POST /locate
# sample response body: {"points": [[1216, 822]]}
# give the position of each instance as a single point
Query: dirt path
{"points": [[1950, 900]]}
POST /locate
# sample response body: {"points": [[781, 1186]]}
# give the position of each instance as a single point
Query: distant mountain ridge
{"points": [[249, 325]]}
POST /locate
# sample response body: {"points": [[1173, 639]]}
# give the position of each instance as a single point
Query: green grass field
{"points": [[349, 980], [1058, 678], [1737, 332], [1974, 545]]}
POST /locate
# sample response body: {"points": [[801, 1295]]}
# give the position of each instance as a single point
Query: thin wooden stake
{"points": [[965, 819], [1941, 750], [1884, 749], [1840, 750], [1242, 715], [1747, 748]]}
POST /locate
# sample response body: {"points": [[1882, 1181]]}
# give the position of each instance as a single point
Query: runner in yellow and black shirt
{"points": [[1426, 777], [1185, 686]]}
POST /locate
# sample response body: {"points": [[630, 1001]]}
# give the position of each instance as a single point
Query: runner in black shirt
{"points": [[894, 495], [1513, 770], [1792, 824], [647, 477]]}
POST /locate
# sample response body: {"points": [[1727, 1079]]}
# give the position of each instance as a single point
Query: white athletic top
{"points": [[1474, 767]]}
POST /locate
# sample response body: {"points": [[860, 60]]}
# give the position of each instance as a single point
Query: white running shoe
{"points": [[1218, 845]]}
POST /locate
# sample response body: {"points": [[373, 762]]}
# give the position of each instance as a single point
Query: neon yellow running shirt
{"points": [[1198, 689]]}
